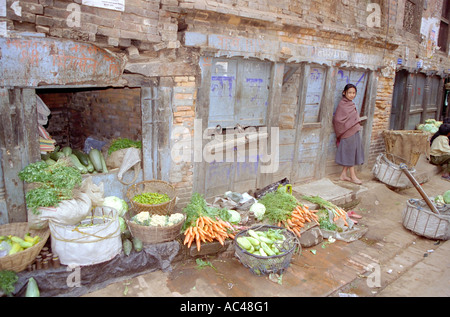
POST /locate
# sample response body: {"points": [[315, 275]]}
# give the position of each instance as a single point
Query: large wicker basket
{"points": [[418, 218], [19, 261], [153, 234], [260, 265], [390, 173], [406, 146], [153, 186]]}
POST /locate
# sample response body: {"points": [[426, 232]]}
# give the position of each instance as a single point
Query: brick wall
{"points": [[142, 23], [381, 117], [184, 99], [58, 122], [102, 114]]}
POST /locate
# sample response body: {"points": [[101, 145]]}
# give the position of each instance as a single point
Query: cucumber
{"points": [[49, 161], [57, 155], [77, 164], [265, 239], [253, 241], [67, 150], [104, 168], [90, 167], [137, 244], [261, 252], [253, 234], [266, 249], [96, 159], [127, 246], [244, 243], [82, 157]]}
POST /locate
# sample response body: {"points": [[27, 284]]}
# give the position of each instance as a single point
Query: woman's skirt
{"points": [[350, 151]]}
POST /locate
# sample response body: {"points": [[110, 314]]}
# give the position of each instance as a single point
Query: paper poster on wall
{"points": [[3, 29], [118, 5], [2, 8]]}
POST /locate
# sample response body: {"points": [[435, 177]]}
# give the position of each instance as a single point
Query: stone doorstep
{"points": [[345, 197]]}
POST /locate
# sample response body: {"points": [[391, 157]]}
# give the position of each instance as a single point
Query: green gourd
{"points": [[127, 246], [32, 288]]}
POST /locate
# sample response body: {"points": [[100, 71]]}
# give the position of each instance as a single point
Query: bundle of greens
{"points": [[123, 143], [7, 281], [53, 183], [198, 207], [279, 205]]}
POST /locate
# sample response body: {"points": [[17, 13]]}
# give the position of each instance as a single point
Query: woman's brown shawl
{"points": [[346, 119]]}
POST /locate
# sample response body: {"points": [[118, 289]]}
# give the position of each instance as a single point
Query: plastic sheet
{"points": [[62, 281]]}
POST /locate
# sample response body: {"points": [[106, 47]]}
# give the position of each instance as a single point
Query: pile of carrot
{"points": [[207, 229], [339, 213], [300, 215]]}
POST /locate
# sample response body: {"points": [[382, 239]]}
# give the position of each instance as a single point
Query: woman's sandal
{"points": [[357, 182], [353, 214]]}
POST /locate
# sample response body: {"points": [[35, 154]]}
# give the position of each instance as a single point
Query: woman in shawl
{"points": [[346, 123]]}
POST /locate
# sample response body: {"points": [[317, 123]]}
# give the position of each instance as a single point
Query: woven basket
{"points": [[390, 173], [154, 234], [19, 261], [267, 264], [418, 218], [153, 186]]}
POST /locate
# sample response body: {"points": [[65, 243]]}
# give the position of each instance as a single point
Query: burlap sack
{"points": [[131, 159], [115, 159], [406, 146]]}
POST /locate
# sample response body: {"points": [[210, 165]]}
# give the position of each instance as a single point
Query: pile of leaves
{"points": [[52, 183]]}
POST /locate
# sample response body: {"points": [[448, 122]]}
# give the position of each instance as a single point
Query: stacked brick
{"points": [[182, 169], [142, 23]]}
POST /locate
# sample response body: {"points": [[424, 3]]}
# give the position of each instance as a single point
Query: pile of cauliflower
{"points": [[144, 218]]}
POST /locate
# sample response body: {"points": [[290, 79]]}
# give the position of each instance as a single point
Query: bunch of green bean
{"points": [[151, 198]]}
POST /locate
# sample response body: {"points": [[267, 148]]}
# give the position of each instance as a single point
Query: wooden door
{"points": [[19, 145]]}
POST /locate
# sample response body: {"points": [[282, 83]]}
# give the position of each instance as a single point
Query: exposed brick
{"points": [[108, 31], [44, 20]]}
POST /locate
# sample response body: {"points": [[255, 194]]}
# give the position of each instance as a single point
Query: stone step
{"points": [[344, 197]]}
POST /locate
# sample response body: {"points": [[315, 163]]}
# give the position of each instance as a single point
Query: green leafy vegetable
{"points": [[123, 143], [279, 205], [54, 183], [201, 264], [326, 224], [7, 281]]}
